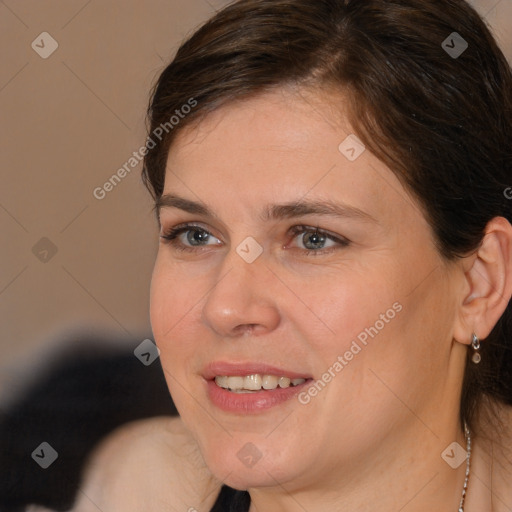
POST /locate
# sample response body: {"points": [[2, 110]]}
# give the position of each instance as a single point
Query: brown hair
{"points": [[442, 122]]}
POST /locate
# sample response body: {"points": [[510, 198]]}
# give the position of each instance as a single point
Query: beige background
{"points": [[68, 123]]}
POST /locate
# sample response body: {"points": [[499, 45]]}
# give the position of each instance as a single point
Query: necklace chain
{"points": [[468, 459]]}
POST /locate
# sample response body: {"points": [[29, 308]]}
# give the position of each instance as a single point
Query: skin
{"points": [[375, 433], [391, 411]]}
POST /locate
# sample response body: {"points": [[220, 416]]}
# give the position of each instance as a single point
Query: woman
{"points": [[331, 292]]}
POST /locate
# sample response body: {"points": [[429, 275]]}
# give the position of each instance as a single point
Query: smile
{"points": [[255, 382]]}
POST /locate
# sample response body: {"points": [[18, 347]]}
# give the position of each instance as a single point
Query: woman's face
{"points": [[363, 309]]}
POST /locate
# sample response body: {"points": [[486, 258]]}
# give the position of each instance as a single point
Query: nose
{"points": [[243, 299]]}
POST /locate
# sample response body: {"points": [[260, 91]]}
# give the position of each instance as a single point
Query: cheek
{"points": [[175, 304], [349, 306], [372, 327], [395, 351], [172, 297], [172, 301]]}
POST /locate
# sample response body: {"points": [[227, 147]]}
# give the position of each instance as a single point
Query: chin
{"points": [[243, 464], [248, 479], [249, 451]]}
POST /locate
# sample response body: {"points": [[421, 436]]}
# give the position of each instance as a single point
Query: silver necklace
{"points": [[468, 459]]}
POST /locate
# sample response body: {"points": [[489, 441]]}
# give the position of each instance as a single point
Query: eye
{"points": [[311, 240], [188, 237], [317, 241]]}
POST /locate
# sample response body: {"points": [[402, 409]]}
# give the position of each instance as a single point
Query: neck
{"points": [[489, 487]]}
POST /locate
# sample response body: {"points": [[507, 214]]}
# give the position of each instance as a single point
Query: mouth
{"points": [[255, 382], [242, 388]]}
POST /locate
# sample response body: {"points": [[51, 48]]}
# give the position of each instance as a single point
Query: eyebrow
{"points": [[271, 212]]}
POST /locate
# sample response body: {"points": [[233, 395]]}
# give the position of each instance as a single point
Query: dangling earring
{"points": [[475, 343]]}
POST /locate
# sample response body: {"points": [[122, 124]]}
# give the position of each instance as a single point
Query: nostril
{"points": [[246, 328]]}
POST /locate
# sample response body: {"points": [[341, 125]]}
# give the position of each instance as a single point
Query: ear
{"points": [[487, 283]]}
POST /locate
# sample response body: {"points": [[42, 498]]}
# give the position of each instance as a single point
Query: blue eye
{"points": [[194, 235], [315, 241]]}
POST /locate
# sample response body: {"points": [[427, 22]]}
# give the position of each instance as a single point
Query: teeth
{"points": [[252, 382], [255, 382], [270, 382], [284, 382], [235, 382], [222, 382]]}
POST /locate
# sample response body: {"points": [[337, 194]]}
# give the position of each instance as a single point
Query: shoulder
{"points": [[144, 465]]}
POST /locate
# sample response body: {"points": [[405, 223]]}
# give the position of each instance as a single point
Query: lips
{"points": [[242, 401]]}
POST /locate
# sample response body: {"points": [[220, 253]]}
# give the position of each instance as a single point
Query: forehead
{"points": [[283, 145], [286, 119]]}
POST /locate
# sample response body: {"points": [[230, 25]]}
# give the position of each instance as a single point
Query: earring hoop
{"points": [[475, 343]]}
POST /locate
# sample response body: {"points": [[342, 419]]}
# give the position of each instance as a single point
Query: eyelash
{"points": [[171, 237]]}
